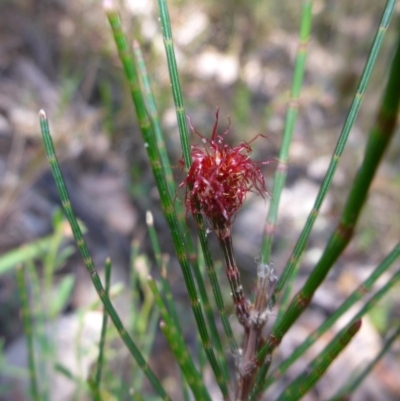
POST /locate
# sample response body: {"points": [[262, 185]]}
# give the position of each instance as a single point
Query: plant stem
{"points": [[83, 249], [378, 141], [186, 151], [303, 383], [290, 121], [154, 118], [350, 387], [27, 324], [100, 358], [232, 272], [175, 84], [133, 286], [253, 334], [360, 292], [302, 299], [45, 342], [302, 241], [252, 320], [166, 201], [161, 263], [180, 212], [179, 348]]}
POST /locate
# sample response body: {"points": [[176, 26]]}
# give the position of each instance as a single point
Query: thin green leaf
{"points": [[25, 253], [60, 297], [147, 345]]}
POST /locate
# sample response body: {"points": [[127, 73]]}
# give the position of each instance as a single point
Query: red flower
{"points": [[220, 178]]}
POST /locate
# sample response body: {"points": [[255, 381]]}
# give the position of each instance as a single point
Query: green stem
{"points": [[163, 272], [290, 121], [302, 299], [378, 141], [133, 284], [175, 84], [166, 201], [166, 288], [179, 349], [154, 118], [212, 275], [301, 243], [83, 249], [272, 341], [102, 343], [359, 293], [45, 343], [184, 137], [350, 387], [300, 386], [232, 272], [180, 212], [27, 324]]}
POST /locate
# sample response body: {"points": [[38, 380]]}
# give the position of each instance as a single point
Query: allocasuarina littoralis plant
{"points": [[216, 185]]}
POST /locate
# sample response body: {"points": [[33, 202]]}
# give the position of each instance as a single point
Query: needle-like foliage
{"points": [[218, 179]]}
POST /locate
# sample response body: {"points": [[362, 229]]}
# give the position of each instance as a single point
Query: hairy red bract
{"points": [[220, 178]]}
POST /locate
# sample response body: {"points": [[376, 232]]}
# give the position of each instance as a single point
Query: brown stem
{"points": [[251, 317], [248, 367], [232, 273]]}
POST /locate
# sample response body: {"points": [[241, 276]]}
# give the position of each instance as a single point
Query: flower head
{"points": [[220, 178]]}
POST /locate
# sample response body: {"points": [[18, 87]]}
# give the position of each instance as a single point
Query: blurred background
{"points": [[236, 55]]}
